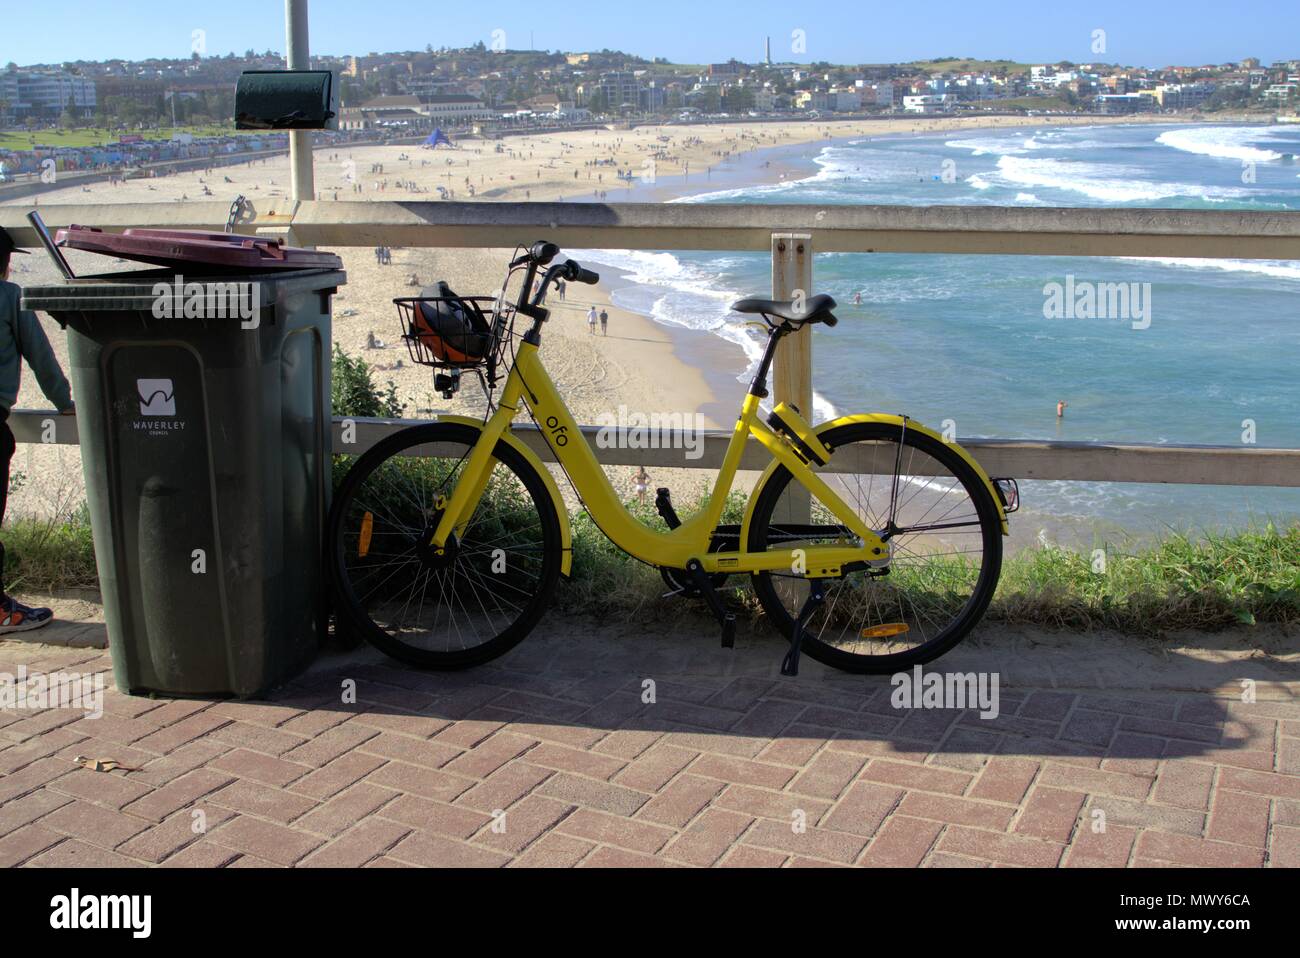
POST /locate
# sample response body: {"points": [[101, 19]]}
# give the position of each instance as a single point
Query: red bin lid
{"points": [[196, 251]]}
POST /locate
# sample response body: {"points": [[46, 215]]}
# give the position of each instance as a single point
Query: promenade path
{"points": [[1106, 752]]}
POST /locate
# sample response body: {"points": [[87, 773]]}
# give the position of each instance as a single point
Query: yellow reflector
{"points": [[367, 530], [884, 631]]}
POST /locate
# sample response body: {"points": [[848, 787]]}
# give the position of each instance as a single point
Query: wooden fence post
{"points": [[791, 279], [792, 368]]}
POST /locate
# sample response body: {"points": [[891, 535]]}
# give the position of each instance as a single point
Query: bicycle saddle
{"points": [[816, 309]]}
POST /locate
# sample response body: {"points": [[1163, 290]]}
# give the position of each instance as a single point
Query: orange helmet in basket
{"points": [[448, 329]]}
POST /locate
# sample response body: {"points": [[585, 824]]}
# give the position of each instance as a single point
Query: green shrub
{"points": [[353, 391]]}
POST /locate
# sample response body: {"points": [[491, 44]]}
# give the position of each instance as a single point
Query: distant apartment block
{"points": [[619, 90], [1180, 96], [929, 102], [830, 101], [42, 94], [1125, 102], [884, 94]]}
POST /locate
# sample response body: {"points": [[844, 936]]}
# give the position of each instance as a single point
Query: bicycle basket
{"points": [[449, 331]]}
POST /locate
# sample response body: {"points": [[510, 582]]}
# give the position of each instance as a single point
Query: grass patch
{"points": [[42, 555], [20, 140], [1183, 583], [1206, 583], [606, 579]]}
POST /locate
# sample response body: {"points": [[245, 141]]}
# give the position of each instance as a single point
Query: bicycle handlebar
{"points": [[574, 273], [540, 255]]}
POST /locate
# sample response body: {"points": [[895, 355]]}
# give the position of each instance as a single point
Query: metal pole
{"points": [[297, 57]]}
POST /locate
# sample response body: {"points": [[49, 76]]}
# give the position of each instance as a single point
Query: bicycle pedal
{"points": [[729, 631]]}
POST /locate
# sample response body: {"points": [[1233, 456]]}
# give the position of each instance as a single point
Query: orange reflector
{"points": [[884, 631], [367, 530]]}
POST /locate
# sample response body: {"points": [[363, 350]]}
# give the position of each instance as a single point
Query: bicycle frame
{"points": [[529, 383]]}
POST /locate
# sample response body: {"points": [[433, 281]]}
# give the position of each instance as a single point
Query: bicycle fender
{"points": [[884, 418], [553, 490]]}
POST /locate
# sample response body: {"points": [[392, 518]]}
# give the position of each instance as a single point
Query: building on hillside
{"points": [[454, 109], [619, 89], [384, 112], [137, 89], [929, 103], [46, 94], [415, 113], [1125, 102], [431, 85], [732, 68], [1181, 96]]}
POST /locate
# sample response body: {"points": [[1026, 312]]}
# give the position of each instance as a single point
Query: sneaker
{"points": [[16, 617]]}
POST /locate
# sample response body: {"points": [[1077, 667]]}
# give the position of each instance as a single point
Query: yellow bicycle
{"points": [[873, 543]]}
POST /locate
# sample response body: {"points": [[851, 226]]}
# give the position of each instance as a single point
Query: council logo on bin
{"points": [[157, 397]]}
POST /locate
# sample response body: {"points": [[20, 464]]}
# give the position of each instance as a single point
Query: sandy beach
{"points": [[639, 365]]}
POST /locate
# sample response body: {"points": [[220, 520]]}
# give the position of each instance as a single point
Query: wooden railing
{"points": [[792, 234]]}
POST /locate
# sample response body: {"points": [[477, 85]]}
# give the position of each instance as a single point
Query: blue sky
{"points": [[842, 31]]}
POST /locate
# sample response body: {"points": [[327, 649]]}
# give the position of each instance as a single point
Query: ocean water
{"points": [[965, 338]]}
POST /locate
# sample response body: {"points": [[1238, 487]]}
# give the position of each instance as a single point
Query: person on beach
{"points": [[604, 323], [560, 288], [591, 321], [641, 484], [1060, 408], [21, 337]]}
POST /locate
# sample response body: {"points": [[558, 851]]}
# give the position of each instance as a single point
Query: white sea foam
{"points": [[1276, 269], [1109, 183], [996, 145], [1223, 142]]}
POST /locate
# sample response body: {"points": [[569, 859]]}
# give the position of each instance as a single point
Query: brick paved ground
{"points": [[714, 772]]}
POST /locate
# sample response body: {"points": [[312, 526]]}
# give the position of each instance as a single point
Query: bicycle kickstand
{"points": [[700, 579], [816, 595]]}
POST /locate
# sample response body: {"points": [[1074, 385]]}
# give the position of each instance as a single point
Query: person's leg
{"points": [[7, 447], [14, 616]]}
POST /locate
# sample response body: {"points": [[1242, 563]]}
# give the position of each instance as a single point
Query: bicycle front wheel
{"points": [[491, 585], [945, 540]]}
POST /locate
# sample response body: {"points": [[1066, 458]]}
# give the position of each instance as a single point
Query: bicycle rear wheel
{"points": [[946, 547], [490, 587]]}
